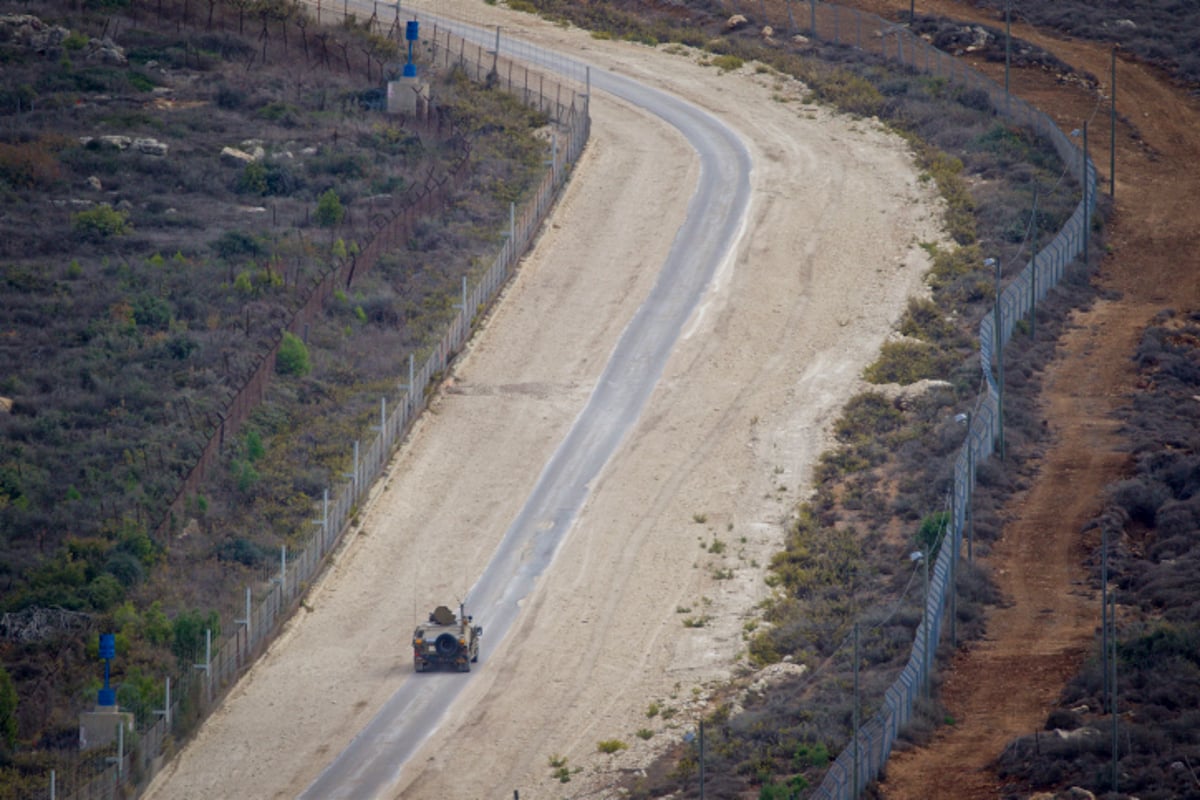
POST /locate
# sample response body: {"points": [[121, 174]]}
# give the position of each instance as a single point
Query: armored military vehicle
{"points": [[446, 640]]}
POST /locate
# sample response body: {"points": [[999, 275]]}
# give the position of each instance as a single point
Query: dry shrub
{"points": [[29, 165]]}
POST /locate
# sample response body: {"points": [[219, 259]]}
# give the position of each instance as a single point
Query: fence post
{"points": [[245, 623]]}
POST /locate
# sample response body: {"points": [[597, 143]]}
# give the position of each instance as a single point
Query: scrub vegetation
{"points": [[170, 190]]}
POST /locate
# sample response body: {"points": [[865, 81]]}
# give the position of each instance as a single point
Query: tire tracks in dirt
{"points": [[1004, 686]]}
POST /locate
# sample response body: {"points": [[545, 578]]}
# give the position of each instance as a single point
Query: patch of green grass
{"points": [[906, 362], [727, 63]]}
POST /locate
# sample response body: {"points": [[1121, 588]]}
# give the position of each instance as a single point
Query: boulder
{"points": [[6, 404], [235, 157], [94, 183], [735, 22], [255, 148], [105, 51], [768, 32], [119, 142], [32, 32], [151, 147]]}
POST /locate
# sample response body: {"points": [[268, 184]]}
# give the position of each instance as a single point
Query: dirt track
{"points": [[1006, 685], [829, 256]]}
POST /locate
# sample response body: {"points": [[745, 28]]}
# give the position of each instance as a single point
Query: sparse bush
{"points": [[1140, 499], [292, 358], [610, 746], [727, 63], [29, 165], [101, 222], [906, 362]]}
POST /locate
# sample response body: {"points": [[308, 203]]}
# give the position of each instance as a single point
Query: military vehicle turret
{"points": [[446, 640]]}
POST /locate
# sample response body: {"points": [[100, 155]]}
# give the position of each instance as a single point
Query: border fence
{"points": [[190, 695], [199, 689], [862, 760]]}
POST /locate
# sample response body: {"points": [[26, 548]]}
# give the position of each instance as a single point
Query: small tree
{"points": [[292, 358], [329, 209]]}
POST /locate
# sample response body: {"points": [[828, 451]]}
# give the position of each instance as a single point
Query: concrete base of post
{"points": [[407, 96], [99, 728]]}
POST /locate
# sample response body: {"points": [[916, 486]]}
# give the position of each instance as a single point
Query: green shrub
{"points": [[101, 222], [810, 755], [281, 113], [906, 362], [292, 358], [329, 209], [188, 633], [923, 320], [816, 556], [611, 746], [929, 535], [235, 244], [727, 63], [951, 264], [783, 791], [253, 179], [867, 415]]}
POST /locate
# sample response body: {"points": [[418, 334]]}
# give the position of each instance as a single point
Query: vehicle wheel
{"points": [[446, 645]]}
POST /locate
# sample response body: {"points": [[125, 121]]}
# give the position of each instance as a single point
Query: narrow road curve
{"points": [[715, 219]]}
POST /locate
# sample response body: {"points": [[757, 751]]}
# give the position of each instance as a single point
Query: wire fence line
{"points": [[862, 760], [191, 694]]}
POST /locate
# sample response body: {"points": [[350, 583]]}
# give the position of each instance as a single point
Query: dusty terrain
{"points": [[1006, 685], [827, 260]]}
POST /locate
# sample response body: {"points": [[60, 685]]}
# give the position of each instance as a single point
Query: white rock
{"points": [[231, 155], [151, 147]]}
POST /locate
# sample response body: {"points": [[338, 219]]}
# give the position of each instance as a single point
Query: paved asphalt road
{"points": [[716, 214]]}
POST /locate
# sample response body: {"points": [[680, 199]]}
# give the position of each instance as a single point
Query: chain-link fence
{"points": [[124, 769], [863, 758]]}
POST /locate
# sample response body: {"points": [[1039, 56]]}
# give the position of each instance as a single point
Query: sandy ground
{"points": [[722, 452]]}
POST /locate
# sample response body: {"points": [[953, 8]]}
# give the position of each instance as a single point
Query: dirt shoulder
{"points": [[723, 451], [1005, 686]]}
